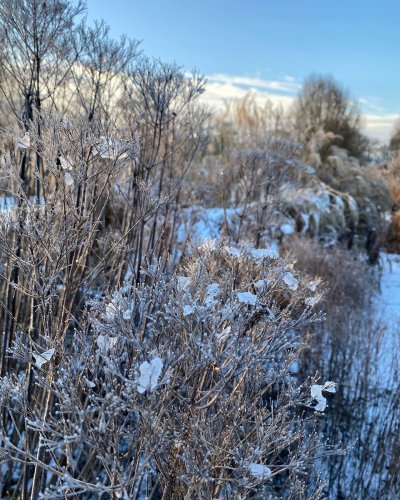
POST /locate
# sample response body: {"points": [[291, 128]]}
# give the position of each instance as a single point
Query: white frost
{"points": [[23, 142], [311, 301], [41, 359], [66, 163], [105, 342], [212, 291], [149, 374], [262, 283], [110, 149], [183, 282], [247, 298], [221, 337], [127, 314], [265, 253], [313, 285]]}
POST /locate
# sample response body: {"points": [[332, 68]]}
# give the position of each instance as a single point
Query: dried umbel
{"points": [[181, 386]]}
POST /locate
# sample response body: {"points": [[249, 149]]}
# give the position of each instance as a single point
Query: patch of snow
{"points": [[234, 252], [287, 229], [247, 298], [212, 291], [149, 374], [259, 471], [209, 245], [187, 310], [316, 393], [68, 179], [290, 281]]}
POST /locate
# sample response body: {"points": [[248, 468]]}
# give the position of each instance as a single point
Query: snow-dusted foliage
{"points": [[160, 297], [189, 394]]}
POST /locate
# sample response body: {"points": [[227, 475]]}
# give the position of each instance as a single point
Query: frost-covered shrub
{"points": [[181, 387]]}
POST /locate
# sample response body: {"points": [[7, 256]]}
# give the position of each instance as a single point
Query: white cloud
{"points": [[371, 104], [221, 88], [287, 85], [380, 126], [217, 93]]}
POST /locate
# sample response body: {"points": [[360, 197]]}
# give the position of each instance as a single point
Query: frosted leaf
{"points": [[68, 179], [187, 310], [41, 359], [111, 311], [290, 281], [23, 142], [316, 390], [105, 342], [66, 163], [127, 314], [287, 229], [102, 424], [316, 393], [149, 374], [221, 337], [259, 471], [311, 301], [313, 285], [247, 298]]}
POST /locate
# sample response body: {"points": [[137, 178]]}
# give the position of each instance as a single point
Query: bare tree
{"points": [[37, 51], [324, 105], [103, 62]]}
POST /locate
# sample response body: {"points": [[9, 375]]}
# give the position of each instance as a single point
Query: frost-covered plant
{"points": [[180, 387], [97, 212]]}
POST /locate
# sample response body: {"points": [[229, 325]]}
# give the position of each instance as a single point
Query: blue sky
{"points": [[270, 46]]}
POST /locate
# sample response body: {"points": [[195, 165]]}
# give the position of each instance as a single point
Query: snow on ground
{"points": [[389, 297], [201, 224], [388, 314]]}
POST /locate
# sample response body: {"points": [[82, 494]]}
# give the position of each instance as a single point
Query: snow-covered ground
{"points": [[388, 315], [370, 390], [389, 297]]}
